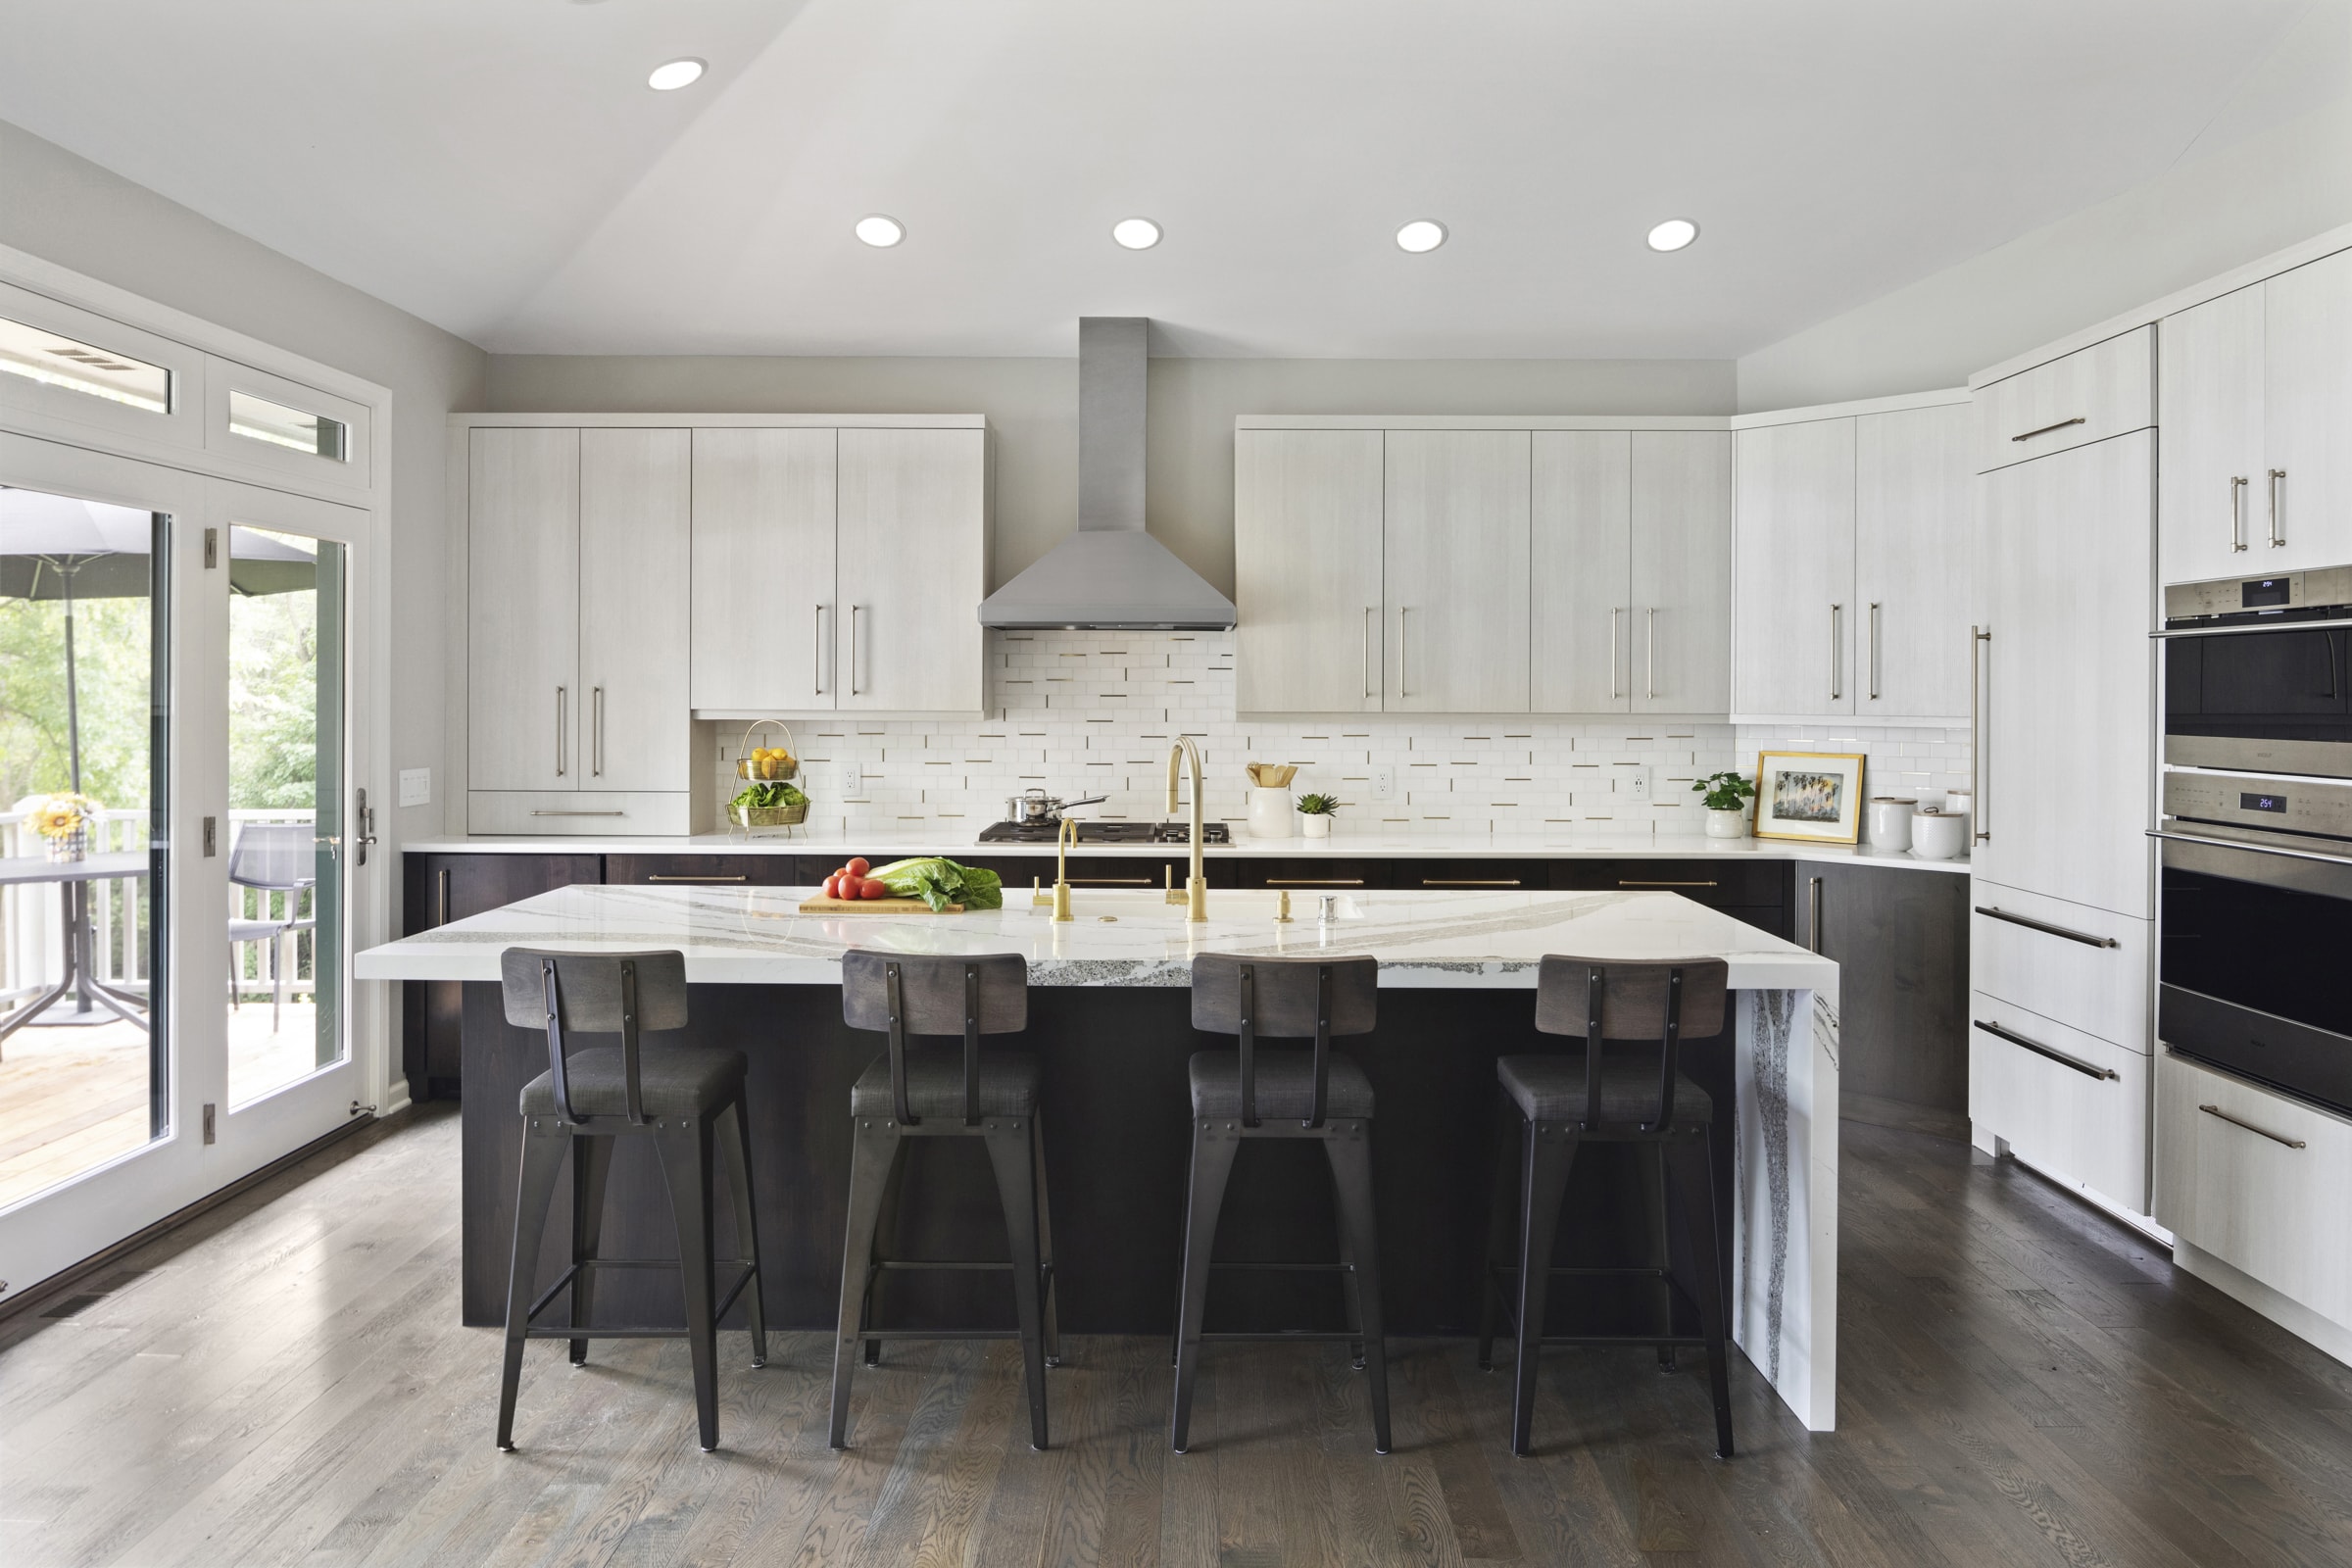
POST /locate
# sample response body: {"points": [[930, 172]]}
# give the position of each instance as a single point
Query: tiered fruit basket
{"points": [[767, 764]]}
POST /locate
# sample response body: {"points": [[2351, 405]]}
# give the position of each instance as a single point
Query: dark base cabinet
{"points": [[1900, 940], [1753, 892], [703, 870], [436, 889]]}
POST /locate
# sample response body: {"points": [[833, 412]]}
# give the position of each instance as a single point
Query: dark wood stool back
{"points": [[620, 994], [1659, 999], [902, 995], [1285, 998]]}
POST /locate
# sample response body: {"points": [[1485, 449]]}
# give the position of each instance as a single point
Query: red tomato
{"points": [[872, 888], [833, 886], [857, 866]]}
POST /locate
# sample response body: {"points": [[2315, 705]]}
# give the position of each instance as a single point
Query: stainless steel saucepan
{"points": [[1036, 806]]}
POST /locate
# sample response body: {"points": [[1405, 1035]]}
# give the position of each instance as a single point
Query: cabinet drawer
{"points": [[2085, 967], [2089, 395], [711, 870], [2070, 1104], [578, 813], [2232, 1181], [1747, 884]]}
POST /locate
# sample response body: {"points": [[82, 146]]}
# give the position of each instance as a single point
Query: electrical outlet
{"points": [[853, 780], [1384, 783], [416, 786], [1634, 782]]}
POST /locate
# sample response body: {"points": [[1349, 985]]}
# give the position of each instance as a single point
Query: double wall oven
{"points": [[2254, 966]]}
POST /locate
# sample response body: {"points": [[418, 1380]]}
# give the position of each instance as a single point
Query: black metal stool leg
{"points": [[1350, 1302], [1654, 1217], [1212, 1164], [1008, 1151], [1549, 1152], [1502, 1214], [534, 1193], [685, 1150], [1045, 1240], [873, 1158], [1349, 1152], [735, 1156], [886, 1231], [591, 1166], [1692, 1165]]}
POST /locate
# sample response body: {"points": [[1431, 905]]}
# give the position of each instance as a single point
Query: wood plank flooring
{"points": [[2024, 1382]]}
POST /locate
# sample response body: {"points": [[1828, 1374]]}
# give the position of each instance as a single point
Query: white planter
{"points": [[1727, 824], [1316, 826], [1271, 813]]}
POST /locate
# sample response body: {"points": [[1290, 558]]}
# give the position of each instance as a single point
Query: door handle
{"points": [[1978, 734], [1836, 651], [1874, 652], [441, 900], [1315, 882], [1813, 893], [1614, 613], [854, 610], [2277, 538], [596, 732], [364, 819], [1628, 882], [2043, 926], [537, 812], [1650, 657], [1469, 882], [560, 747], [2086, 1069], [664, 876], [1111, 881], [2048, 428], [1363, 662], [2237, 511], [1403, 670], [816, 663], [2264, 1132]]}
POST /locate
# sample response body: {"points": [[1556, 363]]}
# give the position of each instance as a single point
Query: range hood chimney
{"points": [[1111, 575]]}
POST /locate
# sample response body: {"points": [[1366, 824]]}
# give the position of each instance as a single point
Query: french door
{"points": [[201, 925]]}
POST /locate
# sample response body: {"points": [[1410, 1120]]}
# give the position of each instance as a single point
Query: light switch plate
{"points": [[416, 786]]}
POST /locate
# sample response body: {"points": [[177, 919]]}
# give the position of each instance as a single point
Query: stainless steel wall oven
{"points": [[2255, 673]]}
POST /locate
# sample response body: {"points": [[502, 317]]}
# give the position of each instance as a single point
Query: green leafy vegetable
{"points": [[765, 797], [940, 882]]}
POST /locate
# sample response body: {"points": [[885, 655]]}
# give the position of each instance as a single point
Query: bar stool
{"points": [[1248, 1092], [680, 1097], [1588, 1096], [913, 1092]]}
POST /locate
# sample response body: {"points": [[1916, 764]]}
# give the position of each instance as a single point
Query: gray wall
{"points": [[2200, 218], [76, 214], [1033, 406]]}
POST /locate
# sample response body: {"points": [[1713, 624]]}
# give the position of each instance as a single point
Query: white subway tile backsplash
{"points": [[1078, 712]]}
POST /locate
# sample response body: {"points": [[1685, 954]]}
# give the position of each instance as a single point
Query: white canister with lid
{"points": [[1890, 823], [1939, 835]]}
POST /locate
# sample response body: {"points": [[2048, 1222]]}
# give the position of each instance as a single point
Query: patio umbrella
{"points": [[56, 547]]}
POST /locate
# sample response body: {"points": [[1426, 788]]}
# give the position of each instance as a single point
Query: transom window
{"points": [[260, 419], [55, 360]]}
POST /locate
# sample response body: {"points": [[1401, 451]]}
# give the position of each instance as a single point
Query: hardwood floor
{"points": [[2022, 1381]]}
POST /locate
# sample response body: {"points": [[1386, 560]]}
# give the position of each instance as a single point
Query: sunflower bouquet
{"points": [[64, 819]]}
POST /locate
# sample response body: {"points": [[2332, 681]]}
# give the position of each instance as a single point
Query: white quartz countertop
{"points": [[1423, 939], [1346, 847]]}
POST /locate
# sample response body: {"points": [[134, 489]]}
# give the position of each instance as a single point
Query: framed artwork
{"points": [[1809, 795]]}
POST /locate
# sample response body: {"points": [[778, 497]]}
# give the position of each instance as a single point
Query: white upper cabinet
{"points": [[1580, 581], [2068, 733], [910, 568], [1795, 632], [2209, 485], [764, 616], [1680, 572], [1456, 568], [523, 610], [2305, 488], [1307, 550], [635, 556], [2070, 400], [1914, 561]]}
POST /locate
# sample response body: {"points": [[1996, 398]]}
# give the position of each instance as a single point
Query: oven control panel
{"points": [[2264, 804], [2249, 597]]}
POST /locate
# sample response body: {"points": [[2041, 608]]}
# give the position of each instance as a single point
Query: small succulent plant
{"points": [[1318, 805]]}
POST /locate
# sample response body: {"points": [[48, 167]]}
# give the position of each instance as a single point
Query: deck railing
{"points": [[32, 926]]}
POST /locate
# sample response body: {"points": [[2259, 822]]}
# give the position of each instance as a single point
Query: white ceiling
{"points": [[498, 166]]}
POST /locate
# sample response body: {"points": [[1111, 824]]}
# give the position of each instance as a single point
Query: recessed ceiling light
{"points": [[1421, 235], [672, 75], [1136, 233], [1673, 234], [880, 231]]}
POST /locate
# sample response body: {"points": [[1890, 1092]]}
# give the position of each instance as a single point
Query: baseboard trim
{"points": [[2321, 1333], [65, 1279]]}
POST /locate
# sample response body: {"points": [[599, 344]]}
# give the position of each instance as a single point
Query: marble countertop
{"points": [[1347, 846], [1423, 939]]}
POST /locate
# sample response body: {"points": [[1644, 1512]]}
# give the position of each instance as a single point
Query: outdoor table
{"points": [[74, 879]]}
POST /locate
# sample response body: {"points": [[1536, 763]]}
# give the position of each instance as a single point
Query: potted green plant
{"points": [[1727, 797], [1317, 810]]}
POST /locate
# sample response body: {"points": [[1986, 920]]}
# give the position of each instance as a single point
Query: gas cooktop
{"points": [[1106, 833]]}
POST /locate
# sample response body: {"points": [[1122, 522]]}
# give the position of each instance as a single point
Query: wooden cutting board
{"points": [[821, 904]]}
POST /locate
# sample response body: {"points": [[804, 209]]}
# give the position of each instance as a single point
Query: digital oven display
{"points": [[2264, 592], [2262, 803]]}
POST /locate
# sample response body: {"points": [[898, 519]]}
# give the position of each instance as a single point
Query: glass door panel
{"points": [[286, 767], [85, 654]]}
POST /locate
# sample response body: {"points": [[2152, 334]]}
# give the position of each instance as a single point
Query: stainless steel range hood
{"points": [[1110, 573]]}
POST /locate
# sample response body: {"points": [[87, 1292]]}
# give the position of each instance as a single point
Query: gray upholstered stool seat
{"points": [[681, 1081], [1552, 1089], [935, 1084], [1286, 1085]]}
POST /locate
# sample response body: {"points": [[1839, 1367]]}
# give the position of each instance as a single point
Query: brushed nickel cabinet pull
{"points": [[2277, 538], [1614, 613], [2237, 511], [560, 694], [1874, 652], [2086, 1069], [1469, 882], [1815, 895], [1649, 658], [1404, 686], [2265, 1132], [854, 610], [441, 897], [1995, 912], [537, 812], [2048, 428], [1978, 736], [1836, 651], [596, 732], [664, 876], [816, 671], [1626, 882], [1363, 662]]}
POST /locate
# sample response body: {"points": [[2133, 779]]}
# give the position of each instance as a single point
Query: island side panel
{"points": [[1785, 1279]]}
